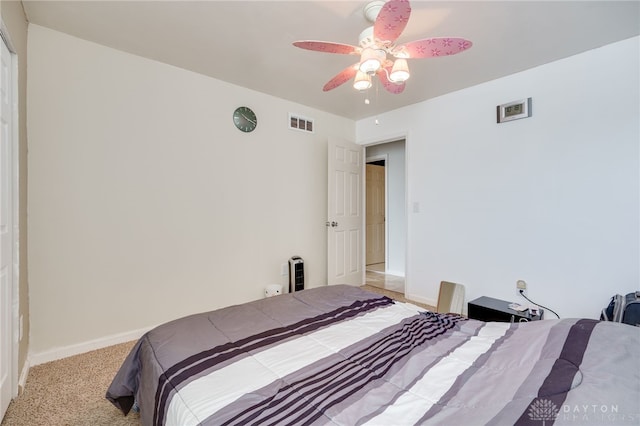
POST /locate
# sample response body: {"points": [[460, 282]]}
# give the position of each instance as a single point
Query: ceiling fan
{"points": [[378, 51]]}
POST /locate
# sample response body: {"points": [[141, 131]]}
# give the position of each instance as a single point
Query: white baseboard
{"points": [[396, 273], [421, 299], [79, 348], [22, 380]]}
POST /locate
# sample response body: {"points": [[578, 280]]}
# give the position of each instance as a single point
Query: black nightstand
{"points": [[489, 309]]}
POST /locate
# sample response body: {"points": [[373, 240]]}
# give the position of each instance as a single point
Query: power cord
{"points": [[550, 310]]}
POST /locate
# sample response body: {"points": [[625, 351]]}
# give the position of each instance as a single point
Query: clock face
{"points": [[245, 119], [513, 110]]}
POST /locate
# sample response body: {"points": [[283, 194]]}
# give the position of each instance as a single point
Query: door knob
{"points": [[332, 224]]}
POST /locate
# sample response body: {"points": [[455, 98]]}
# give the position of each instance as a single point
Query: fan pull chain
{"points": [[377, 101]]}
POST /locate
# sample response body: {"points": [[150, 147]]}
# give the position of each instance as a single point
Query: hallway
{"points": [[375, 276], [389, 285]]}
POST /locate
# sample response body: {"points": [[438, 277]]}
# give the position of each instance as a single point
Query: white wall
{"points": [[553, 199], [396, 189], [147, 204]]}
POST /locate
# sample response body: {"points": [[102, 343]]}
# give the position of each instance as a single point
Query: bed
{"points": [[342, 355]]}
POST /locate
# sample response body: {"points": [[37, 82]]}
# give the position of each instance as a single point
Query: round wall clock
{"points": [[245, 119]]}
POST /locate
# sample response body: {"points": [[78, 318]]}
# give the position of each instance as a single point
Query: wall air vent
{"points": [[297, 122]]}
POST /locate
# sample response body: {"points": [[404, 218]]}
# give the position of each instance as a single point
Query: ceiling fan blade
{"points": [[342, 77], [391, 21], [328, 47], [432, 47], [395, 88]]}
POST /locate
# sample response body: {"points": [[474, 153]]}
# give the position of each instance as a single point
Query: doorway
{"points": [[376, 215], [385, 242]]}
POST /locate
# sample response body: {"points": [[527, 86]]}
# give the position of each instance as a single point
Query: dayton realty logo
{"points": [[543, 410]]}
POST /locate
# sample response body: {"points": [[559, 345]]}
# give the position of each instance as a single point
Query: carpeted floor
{"points": [[70, 391]]}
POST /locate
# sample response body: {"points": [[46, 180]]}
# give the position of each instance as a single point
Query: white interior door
{"points": [[345, 220], [6, 232], [375, 212]]}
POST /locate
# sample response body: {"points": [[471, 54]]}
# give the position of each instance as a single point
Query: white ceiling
{"points": [[248, 43]]}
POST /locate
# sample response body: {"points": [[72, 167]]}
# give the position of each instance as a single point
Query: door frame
{"points": [[14, 208], [368, 160], [407, 255]]}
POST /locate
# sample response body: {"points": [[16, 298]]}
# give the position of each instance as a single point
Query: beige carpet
{"points": [[71, 391]]}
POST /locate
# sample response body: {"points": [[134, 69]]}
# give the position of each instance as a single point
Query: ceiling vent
{"points": [[298, 122]]}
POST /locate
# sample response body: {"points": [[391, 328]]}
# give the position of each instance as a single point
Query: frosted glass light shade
{"points": [[362, 81], [400, 71], [370, 61]]}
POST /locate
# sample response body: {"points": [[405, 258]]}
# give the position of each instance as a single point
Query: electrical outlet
{"points": [[284, 269], [521, 287]]}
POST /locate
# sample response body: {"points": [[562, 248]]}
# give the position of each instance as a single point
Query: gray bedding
{"points": [[341, 355]]}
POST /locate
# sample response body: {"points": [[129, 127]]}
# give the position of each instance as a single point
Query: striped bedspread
{"points": [[341, 355]]}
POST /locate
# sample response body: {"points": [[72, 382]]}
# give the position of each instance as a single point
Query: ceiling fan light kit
{"points": [[378, 51], [371, 60], [400, 71], [362, 81]]}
